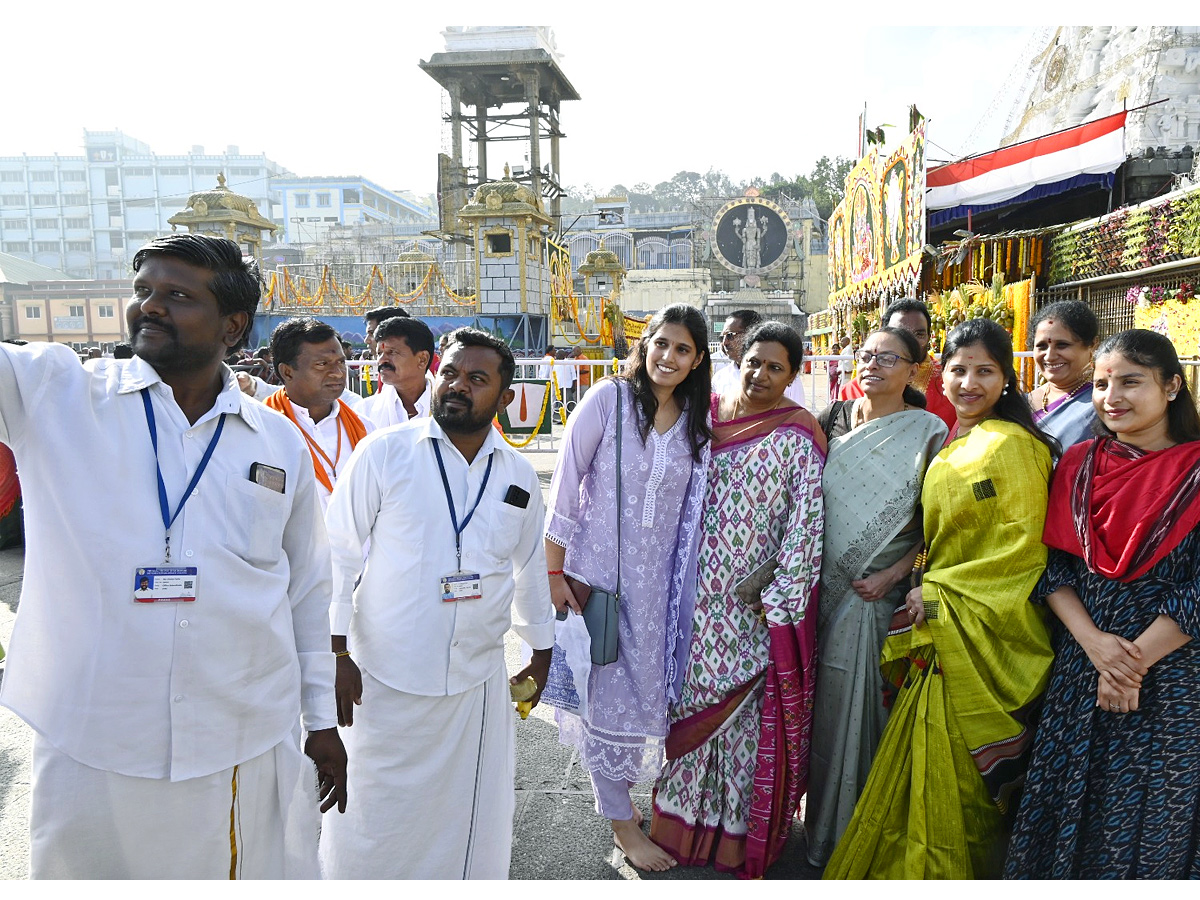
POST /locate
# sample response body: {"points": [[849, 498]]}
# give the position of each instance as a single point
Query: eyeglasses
{"points": [[730, 334], [884, 358]]}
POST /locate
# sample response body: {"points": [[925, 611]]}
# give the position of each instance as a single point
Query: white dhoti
{"points": [[259, 819], [430, 785]]}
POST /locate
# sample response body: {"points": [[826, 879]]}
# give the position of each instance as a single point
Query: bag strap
{"points": [[620, 496]]}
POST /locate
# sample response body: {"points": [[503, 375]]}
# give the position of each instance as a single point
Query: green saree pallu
{"points": [[968, 680]]}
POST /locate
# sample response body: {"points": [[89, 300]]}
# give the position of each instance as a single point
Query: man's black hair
{"points": [[412, 331], [473, 337], [123, 350], [235, 281], [748, 317], [379, 313], [907, 304], [288, 337]]}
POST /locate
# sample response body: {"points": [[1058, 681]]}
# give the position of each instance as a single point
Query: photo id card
{"points": [[164, 584], [461, 586]]}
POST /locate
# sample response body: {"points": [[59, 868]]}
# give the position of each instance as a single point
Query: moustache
{"points": [[142, 321], [462, 398], [386, 367]]}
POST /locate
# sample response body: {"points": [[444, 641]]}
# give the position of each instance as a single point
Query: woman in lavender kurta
{"points": [[621, 731]]}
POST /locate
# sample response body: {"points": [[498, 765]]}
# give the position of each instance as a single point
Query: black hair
{"points": [[123, 350], [412, 331], [473, 337], [910, 304], [16, 342], [235, 282], [694, 393], [1154, 351], [748, 317], [780, 333], [912, 347], [997, 343], [1075, 314], [379, 313], [288, 336]]}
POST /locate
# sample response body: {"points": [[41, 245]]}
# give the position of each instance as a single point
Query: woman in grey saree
{"points": [[879, 449]]}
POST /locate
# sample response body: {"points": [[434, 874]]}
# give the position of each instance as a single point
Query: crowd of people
{"points": [[948, 621]]}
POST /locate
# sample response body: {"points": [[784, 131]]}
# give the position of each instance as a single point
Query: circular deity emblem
{"points": [[750, 235], [1055, 68]]}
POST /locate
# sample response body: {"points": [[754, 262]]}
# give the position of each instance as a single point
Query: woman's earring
{"points": [[1170, 397]]}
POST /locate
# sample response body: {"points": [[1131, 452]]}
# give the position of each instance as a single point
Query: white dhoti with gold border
{"points": [[430, 786], [257, 820]]}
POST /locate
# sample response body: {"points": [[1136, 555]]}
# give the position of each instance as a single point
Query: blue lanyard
{"points": [[459, 529], [168, 519]]}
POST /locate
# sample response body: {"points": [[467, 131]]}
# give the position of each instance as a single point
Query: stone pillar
{"points": [[455, 92], [532, 90], [481, 141], [556, 203]]}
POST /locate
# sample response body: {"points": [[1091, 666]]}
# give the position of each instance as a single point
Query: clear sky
{"points": [[751, 88]]}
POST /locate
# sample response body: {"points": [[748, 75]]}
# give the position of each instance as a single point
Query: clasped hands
{"points": [[1119, 664]]}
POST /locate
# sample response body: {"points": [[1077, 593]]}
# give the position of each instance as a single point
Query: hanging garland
{"points": [[282, 290]]}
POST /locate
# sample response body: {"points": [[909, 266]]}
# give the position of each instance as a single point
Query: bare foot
{"points": [[638, 818], [641, 852]]}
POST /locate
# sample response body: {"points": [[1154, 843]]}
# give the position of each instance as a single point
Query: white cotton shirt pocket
{"points": [[504, 531], [255, 517]]}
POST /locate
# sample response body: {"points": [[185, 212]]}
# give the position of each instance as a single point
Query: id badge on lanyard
{"points": [[166, 583], [460, 585]]}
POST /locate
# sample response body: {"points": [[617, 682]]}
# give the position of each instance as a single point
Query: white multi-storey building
{"points": [[87, 215], [310, 206]]}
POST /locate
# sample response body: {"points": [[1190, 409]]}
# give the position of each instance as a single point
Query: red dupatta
{"points": [[1123, 509]]}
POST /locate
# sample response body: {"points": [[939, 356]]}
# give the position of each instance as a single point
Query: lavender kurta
{"points": [[621, 733]]}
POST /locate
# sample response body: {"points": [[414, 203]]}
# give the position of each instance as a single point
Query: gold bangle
{"points": [[340, 653]]}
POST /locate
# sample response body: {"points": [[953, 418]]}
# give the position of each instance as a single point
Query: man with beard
{"points": [[167, 724], [454, 519], [405, 349]]}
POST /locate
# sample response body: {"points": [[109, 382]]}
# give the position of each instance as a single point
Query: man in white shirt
{"points": [[564, 373], [167, 657], [311, 363], [733, 344], [405, 349], [547, 364], [454, 517]]}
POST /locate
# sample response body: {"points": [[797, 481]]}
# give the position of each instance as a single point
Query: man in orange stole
{"points": [[310, 361]]}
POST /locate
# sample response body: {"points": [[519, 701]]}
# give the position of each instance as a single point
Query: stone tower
{"points": [[509, 227]]}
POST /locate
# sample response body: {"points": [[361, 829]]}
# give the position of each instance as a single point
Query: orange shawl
{"points": [[355, 431]]}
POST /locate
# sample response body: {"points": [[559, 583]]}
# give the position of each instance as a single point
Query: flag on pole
{"points": [[1095, 148]]}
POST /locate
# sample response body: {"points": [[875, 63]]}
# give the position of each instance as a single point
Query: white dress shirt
{"points": [[399, 628], [332, 438], [160, 690], [565, 373], [385, 407], [729, 376]]}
